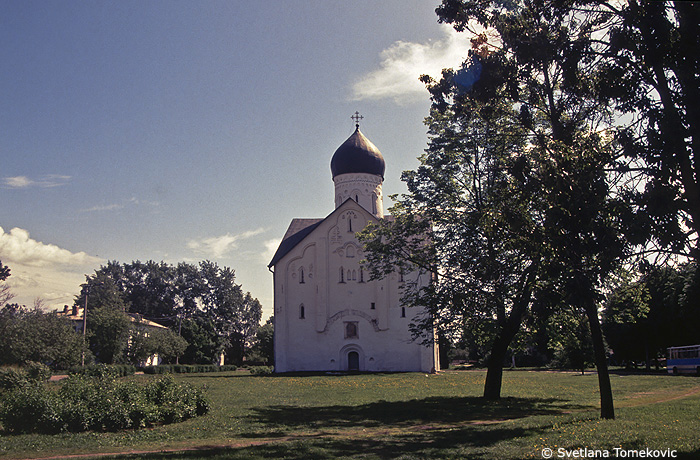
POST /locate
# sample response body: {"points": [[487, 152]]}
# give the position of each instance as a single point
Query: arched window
{"points": [[362, 275], [374, 203], [301, 311], [301, 275], [403, 312], [342, 275], [354, 275]]}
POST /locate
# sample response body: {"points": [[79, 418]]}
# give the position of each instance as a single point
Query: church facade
{"points": [[328, 315]]}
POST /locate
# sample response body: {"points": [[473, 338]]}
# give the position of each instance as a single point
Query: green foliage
{"points": [[5, 293], [14, 377], [37, 372], [203, 341], [99, 403], [262, 370], [38, 336], [203, 302], [570, 340], [145, 342], [30, 408], [108, 333], [263, 349], [104, 370], [187, 368], [645, 316]]}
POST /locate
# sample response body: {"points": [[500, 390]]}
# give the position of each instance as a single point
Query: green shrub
{"points": [[11, 378], [104, 370], [37, 372], [31, 409], [262, 370], [186, 368], [99, 403]]}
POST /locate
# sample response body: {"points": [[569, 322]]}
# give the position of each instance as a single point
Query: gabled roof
{"points": [[300, 229], [297, 231]]}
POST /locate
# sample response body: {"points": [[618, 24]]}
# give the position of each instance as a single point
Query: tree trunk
{"points": [[607, 409], [494, 373]]}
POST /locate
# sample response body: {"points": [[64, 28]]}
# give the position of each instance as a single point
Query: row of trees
{"points": [[645, 315], [205, 311], [563, 147], [202, 303]]}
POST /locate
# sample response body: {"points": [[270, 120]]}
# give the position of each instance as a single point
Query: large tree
{"points": [[653, 73], [539, 58], [236, 315], [36, 335], [193, 300], [467, 219]]}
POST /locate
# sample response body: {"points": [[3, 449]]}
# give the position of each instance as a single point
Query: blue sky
{"points": [[183, 131]]}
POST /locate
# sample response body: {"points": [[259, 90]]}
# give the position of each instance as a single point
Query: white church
{"points": [[328, 315]]}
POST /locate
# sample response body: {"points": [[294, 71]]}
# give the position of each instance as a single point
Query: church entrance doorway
{"points": [[353, 361]]}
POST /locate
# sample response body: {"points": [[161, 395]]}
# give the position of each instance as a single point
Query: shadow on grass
{"points": [[438, 411], [465, 443]]}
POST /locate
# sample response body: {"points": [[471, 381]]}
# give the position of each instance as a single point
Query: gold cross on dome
{"points": [[357, 117]]}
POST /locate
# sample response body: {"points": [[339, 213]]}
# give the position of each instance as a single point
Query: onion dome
{"points": [[358, 155]]}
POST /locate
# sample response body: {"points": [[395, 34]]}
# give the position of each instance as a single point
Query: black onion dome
{"points": [[358, 155]]}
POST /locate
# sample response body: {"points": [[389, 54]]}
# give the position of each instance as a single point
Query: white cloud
{"points": [[47, 181], [19, 248], [404, 62], [270, 249], [117, 206], [107, 207], [220, 245]]}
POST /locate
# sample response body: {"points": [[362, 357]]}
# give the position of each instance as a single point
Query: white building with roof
{"points": [[328, 315]]}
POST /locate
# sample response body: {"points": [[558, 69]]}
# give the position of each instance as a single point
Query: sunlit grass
{"points": [[404, 416]]}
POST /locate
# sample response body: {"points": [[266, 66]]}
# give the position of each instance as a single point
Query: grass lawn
{"points": [[403, 416]]}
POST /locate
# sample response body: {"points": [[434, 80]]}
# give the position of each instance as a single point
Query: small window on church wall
{"points": [[342, 275], [351, 330], [362, 275], [373, 306], [350, 251], [401, 275], [354, 275], [403, 312], [301, 312], [301, 275], [374, 203], [349, 223]]}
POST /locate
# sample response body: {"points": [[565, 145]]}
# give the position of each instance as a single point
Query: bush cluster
{"points": [[102, 403], [262, 370], [187, 368], [11, 378], [104, 370]]}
